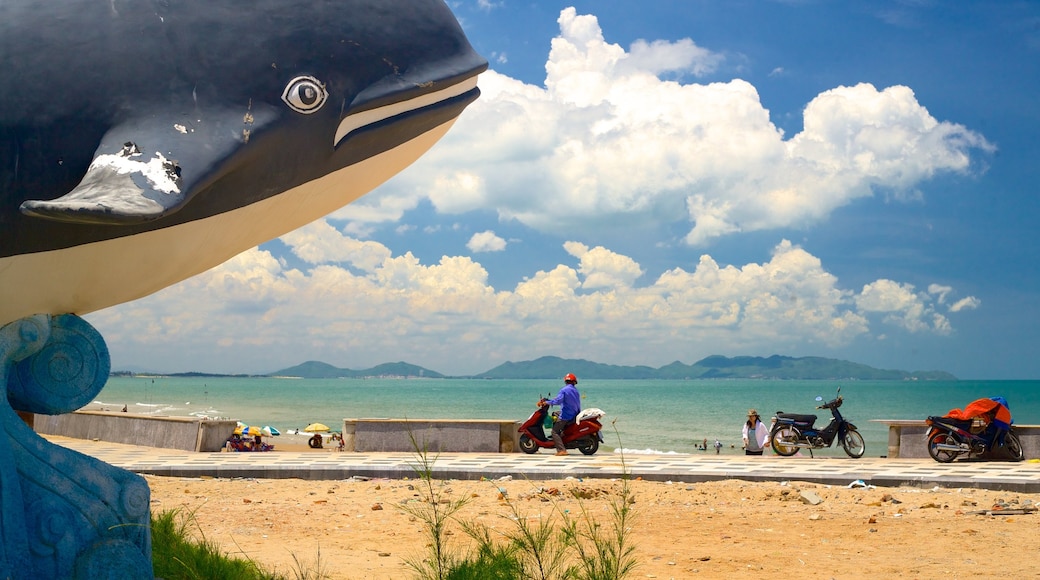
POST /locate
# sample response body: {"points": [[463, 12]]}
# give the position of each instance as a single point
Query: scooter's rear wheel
{"points": [[1014, 447], [942, 455], [528, 445], [590, 446], [783, 439], [853, 444]]}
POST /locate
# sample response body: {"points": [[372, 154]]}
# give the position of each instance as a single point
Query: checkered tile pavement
{"points": [[1022, 476]]}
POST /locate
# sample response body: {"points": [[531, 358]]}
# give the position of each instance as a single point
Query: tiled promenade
{"points": [[1023, 476]]}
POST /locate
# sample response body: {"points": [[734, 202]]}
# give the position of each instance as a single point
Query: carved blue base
{"points": [[62, 514]]}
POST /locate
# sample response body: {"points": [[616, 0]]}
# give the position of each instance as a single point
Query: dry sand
{"points": [[717, 529]]}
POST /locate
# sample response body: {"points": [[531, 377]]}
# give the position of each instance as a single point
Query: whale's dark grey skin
{"points": [[145, 141]]}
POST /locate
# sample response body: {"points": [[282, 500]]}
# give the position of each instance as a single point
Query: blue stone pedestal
{"points": [[62, 514]]}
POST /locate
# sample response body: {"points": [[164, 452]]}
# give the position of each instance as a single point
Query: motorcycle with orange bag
{"points": [[983, 428]]}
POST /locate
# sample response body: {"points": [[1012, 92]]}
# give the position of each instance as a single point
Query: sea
{"points": [[642, 416]]}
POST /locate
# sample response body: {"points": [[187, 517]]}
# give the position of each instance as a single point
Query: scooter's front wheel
{"points": [[590, 446], [783, 439], [853, 444], [941, 455], [528, 445]]}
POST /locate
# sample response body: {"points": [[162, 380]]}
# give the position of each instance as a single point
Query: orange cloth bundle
{"points": [[988, 409]]}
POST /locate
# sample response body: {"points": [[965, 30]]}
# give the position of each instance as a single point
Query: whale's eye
{"points": [[304, 94]]}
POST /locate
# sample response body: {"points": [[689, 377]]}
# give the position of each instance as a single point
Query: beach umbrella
{"points": [[251, 431], [316, 428], [271, 431]]}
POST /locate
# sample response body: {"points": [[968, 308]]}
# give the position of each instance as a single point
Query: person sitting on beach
{"points": [[235, 443], [570, 405], [754, 434]]}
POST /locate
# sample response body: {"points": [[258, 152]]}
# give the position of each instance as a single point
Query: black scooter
{"points": [[793, 432]]}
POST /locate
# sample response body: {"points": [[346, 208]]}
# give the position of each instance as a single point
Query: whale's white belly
{"points": [[89, 277]]}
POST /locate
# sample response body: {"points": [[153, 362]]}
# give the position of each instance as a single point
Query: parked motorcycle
{"points": [[984, 426], [583, 435], [793, 432]]}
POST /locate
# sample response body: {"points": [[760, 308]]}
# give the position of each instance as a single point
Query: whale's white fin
{"points": [[147, 169]]}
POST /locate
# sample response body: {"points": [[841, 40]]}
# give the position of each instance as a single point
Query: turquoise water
{"points": [[657, 416]]}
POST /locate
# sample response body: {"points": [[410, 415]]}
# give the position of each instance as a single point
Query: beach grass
{"points": [[435, 511], [605, 552], [557, 547], [177, 554]]}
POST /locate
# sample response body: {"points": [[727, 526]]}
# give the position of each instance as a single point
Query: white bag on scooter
{"points": [[592, 413]]}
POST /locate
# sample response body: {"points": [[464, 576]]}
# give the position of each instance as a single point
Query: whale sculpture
{"points": [[145, 141]]}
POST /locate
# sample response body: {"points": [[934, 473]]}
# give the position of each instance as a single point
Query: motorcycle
{"points": [[793, 432], [984, 426], [583, 435]]}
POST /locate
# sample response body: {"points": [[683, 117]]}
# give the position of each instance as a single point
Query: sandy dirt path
{"points": [[681, 530]]}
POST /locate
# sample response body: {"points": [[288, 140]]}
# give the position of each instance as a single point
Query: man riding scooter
{"points": [[570, 405]]}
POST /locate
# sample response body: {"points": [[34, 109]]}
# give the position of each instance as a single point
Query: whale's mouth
{"points": [[356, 121]]}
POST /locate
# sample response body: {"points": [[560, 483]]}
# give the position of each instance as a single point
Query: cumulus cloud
{"points": [[395, 307], [902, 306], [659, 57], [603, 269], [618, 133], [942, 294], [319, 242], [968, 303], [486, 241]]}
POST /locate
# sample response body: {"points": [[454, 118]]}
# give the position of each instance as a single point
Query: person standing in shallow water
{"points": [[754, 433], [570, 405]]}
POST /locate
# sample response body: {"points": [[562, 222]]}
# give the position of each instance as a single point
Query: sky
{"points": [[648, 182]]}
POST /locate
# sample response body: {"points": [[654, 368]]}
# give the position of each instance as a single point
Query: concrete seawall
{"points": [[184, 433], [448, 435], [906, 437], [360, 435]]}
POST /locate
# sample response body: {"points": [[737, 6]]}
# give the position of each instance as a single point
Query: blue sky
{"points": [[648, 182]]}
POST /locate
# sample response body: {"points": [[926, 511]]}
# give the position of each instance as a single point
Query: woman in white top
{"points": [[755, 434]]}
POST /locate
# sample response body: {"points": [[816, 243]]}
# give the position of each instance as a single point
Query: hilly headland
{"points": [[552, 367]]}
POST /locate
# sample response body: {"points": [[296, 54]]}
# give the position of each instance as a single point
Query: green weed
{"points": [[435, 510], [558, 547], [176, 555]]}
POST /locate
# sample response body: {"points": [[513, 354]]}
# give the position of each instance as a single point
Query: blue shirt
{"points": [[569, 401]]}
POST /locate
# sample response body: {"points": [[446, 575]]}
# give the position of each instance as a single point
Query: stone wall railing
{"points": [[449, 435], [185, 433]]}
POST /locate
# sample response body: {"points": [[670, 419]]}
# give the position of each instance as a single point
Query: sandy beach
{"points": [[354, 528]]}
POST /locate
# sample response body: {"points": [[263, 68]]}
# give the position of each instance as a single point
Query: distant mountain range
{"points": [[551, 367], [712, 367]]}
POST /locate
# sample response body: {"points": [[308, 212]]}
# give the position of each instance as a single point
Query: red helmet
{"points": [[570, 378]]}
